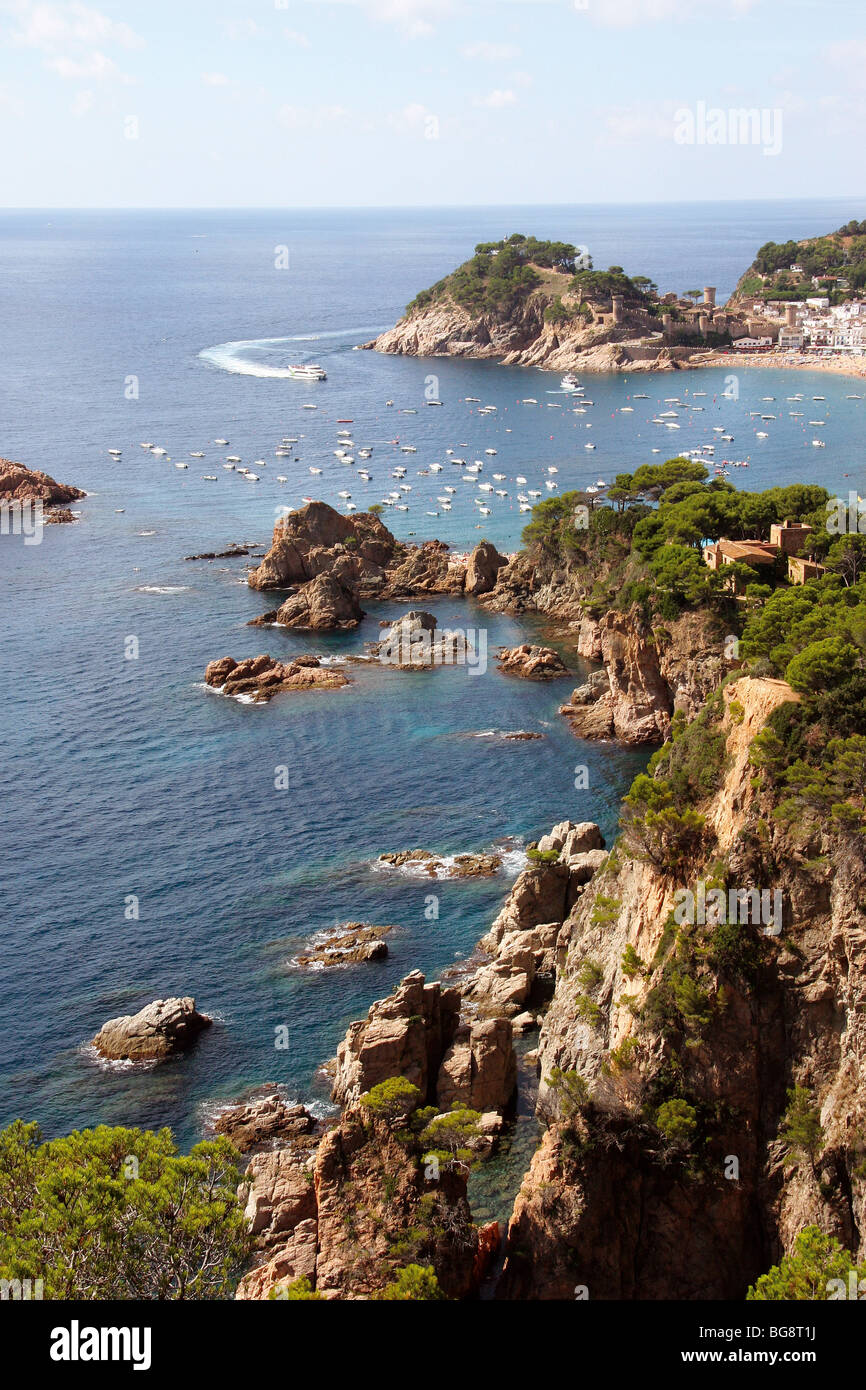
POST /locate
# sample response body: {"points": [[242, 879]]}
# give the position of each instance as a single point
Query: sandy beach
{"points": [[801, 362]]}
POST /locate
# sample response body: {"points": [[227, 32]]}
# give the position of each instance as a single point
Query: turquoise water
{"points": [[126, 778]]}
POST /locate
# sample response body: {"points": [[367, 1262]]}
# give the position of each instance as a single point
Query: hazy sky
{"points": [[262, 103]]}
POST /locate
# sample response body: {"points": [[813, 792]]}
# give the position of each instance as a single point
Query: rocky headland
{"points": [[19, 484], [541, 304]]}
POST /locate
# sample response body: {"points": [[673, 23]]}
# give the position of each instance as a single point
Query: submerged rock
{"points": [[461, 866], [156, 1031], [350, 944]]}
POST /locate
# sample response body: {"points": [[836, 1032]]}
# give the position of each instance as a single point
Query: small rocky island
{"points": [[154, 1033], [29, 485], [260, 678]]}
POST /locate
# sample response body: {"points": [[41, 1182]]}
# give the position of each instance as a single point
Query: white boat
{"points": [[549, 484], [525, 507], [181, 465], [589, 446], [159, 452], [221, 441], [408, 449], [520, 480], [229, 466], [281, 479], [115, 453], [436, 468], [490, 451], [315, 470], [762, 434], [307, 371], [233, 458], [344, 495], [252, 477], [529, 400], [208, 477], [569, 382], [819, 444], [198, 455]]}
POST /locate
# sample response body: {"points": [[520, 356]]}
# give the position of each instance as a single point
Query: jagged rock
{"points": [[337, 1214], [798, 1019], [425, 569], [524, 1023], [415, 642], [403, 1035], [282, 1212], [233, 551], [266, 1121], [532, 663], [571, 839], [485, 562], [156, 1031], [353, 943], [262, 677], [541, 893], [313, 540], [325, 604], [479, 1070], [20, 484], [634, 703]]}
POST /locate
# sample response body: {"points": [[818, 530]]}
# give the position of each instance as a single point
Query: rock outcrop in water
{"points": [[260, 678], [155, 1032], [352, 944], [332, 563], [20, 484], [531, 662]]}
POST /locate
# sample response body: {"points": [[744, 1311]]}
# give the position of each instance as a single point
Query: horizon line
{"points": [[421, 207]]}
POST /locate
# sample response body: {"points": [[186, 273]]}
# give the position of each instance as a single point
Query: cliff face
{"points": [[648, 671], [723, 1020], [446, 329]]}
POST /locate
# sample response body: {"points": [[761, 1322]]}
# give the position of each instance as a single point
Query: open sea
{"points": [[129, 788]]}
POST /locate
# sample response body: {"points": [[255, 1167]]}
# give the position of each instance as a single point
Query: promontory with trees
{"points": [[529, 302]]}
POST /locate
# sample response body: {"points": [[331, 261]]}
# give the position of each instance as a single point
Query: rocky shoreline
{"points": [[453, 1040]]}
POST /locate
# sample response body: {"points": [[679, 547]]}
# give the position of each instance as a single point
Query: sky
{"points": [[355, 103]]}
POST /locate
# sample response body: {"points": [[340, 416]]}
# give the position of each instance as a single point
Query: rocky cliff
{"points": [[671, 1167], [525, 339]]}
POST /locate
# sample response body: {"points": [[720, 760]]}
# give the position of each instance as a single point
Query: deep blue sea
{"points": [[126, 778]]}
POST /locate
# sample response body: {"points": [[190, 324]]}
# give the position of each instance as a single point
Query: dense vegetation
{"points": [[839, 256], [502, 274], [646, 549], [818, 1270], [120, 1214]]}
